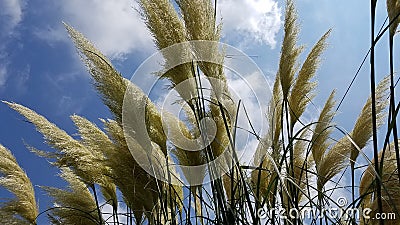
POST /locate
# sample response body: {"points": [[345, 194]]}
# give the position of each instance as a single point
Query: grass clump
{"points": [[294, 165]]}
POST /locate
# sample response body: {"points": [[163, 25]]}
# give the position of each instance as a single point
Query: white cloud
{"points": [[254, 96], [52, 34], [3, 75], [107, 211], [22, 78], [114, 26], [117, 29], [10, 14], [258, 20]]}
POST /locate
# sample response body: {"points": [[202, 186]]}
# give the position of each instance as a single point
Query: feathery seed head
{"points": [[71, 153], [302, 91], [167, 29], [108, 82], [390, 187], [319, 139], [334, 161], [393, 9], [163, 22], [75, 206], [275, 112], [191, 158], [362, 130], [300, 165], [15, 180], [127, 174], [345, 150], [289, 52], [199, 19], [98, 143]]}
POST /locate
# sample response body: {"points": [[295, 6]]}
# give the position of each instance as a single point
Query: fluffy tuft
{"points": [[290, 51], [74, 206], [108, 82], [302, 91], [23, 208], [393, 9]]}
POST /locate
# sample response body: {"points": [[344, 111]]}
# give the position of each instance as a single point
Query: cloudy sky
{"points": [[39, 67]]}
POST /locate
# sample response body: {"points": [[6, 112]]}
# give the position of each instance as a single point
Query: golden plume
{"points": [[75, 206], [362, 130], [348, 147], [289, 52], [322, 130], [393, 9], [108, 82], [96, 141], [23, 208], [71, 153], [302, 91], [390, 189]]}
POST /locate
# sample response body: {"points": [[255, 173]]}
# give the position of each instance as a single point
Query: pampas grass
{"points": [[199, 18], [263, 178], [108, 82], [393, 9], [290, 157], [23, 208], [74, 206], [128, 175], [362, 131], [390, 188], [322, 130], [72, 153], [167, 29], [163, 22], [302, 88], [98, 142], [290, 51], [347, 149]]}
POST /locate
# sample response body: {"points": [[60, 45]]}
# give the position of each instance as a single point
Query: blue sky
{"points": [[39, 67]]}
